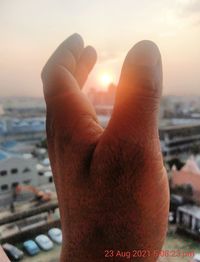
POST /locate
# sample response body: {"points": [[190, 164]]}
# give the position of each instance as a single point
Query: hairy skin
{"points": [[111, 184]]}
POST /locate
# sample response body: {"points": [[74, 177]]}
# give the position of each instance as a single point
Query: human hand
{"points": [[111, 184]]}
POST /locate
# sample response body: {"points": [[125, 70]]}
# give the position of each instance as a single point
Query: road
{"points": [[45, 256]]}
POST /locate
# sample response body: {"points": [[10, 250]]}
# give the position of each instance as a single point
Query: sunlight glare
{"points": [[106, 79]]}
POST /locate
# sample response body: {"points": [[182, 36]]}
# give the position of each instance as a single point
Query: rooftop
{"points": [[175, 127], [16, 125], [4, 155], [191, 210]]}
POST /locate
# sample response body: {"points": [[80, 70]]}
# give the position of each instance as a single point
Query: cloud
{"points": [[188, 11], [188, 8]]}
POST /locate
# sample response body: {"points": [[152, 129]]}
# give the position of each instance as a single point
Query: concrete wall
{"points": [[17, 170]]}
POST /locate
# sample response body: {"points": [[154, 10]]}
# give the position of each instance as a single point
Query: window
{"points": [[26, 170], [4, 187], [40, 173], [14, 171], [3, 172], [186, 219], [15, 184], [27, 181], [51, 179], [197, 225]]}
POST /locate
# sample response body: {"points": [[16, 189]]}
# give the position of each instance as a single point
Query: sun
{"points": [[106, 79]]}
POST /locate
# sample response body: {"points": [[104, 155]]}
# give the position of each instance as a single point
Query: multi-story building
{"points": [[17, 129], [188, 219], [23, 107], [178, 140], [17, 169]]}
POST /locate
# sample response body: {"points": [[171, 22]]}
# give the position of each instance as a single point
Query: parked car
{"points": [[31, 247], [44, 242], [196, 258], [56, 235], [13, 253]]}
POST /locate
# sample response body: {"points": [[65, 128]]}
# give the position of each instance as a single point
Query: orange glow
{"points": [[106, 79]]}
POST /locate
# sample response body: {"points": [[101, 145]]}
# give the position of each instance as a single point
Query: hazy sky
{"points": [[31, 29]]}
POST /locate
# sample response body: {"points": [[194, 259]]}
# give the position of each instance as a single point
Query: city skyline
{"points": [[32, 30]]}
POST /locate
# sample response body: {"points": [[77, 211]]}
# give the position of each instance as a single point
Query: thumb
{"points": [[135, 112]]}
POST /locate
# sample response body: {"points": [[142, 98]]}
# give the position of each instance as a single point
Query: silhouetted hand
{"points": [[111, 184]]}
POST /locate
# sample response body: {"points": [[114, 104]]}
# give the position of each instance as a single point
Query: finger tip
{"points": [[77, 37], [147, 44], [75, 40], [145, 53], [91, 53], [142, 70]]}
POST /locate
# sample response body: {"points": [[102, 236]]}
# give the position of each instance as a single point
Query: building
{"points": [[178, 140], [187, 180], [23, 107], [17, 169], [188, 219], [18, 147], [102, 98], [23, 130]]}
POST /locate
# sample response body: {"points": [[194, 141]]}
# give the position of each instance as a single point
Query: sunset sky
{"points": [[32, 29]]}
